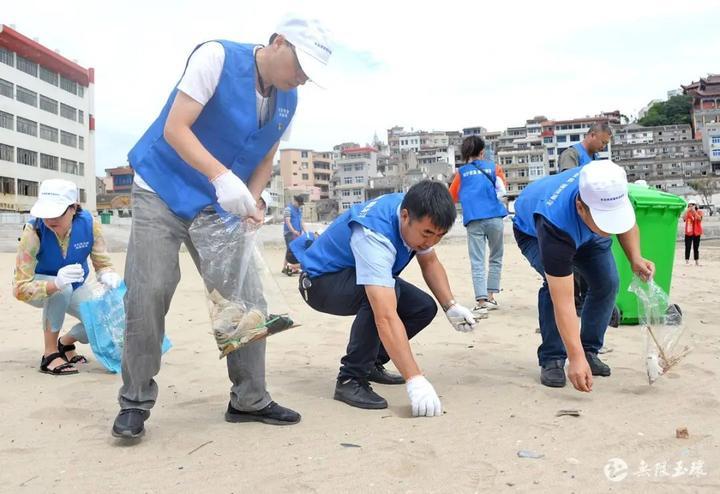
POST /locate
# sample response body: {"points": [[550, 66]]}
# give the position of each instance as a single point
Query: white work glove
{"points": [[67, 275], [110, 279], [461, 318], [423, 398], [233, 195]]}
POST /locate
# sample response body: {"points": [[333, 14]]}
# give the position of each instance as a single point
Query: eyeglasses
{"points": [[298, 68]]}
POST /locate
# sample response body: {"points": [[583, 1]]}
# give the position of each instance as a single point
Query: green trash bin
{"points": [[105, 218], [657, 216]]}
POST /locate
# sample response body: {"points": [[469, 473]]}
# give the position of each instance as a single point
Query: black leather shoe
{"points": [[130, 423], [380, 375], [553, 374], [358, 393], [597, 366], [273, 414]]}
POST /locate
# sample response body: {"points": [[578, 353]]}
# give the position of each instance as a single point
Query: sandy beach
{"points": [[55, 435]]}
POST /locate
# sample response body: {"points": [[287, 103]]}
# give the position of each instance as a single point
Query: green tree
{"points": [[674, 111], [705, 188]]}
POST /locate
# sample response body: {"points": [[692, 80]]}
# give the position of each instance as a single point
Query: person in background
{"points": [[293, 227], [51, 269], [693, 217], [479, 186]]}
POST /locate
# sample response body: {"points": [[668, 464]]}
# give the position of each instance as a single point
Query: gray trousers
{"points": [[152, 273]]}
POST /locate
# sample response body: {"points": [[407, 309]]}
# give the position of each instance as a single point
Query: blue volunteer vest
{"points": [[301, 245], [227, 127], [295, 219], [553, 197], [331, 252], [50, 257], [583, 157], [477, 193]]}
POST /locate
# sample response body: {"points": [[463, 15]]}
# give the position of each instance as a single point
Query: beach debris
{"points": [[201, 446], [570, 413], [682, 433], [526, 453], [350, 445]]}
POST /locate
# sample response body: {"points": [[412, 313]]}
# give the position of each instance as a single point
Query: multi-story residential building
{"points": [[711, 145], [558, 135], [705, 104], [353, 169], [665, 156], [305, 169], [116, 194], [46, 122]]}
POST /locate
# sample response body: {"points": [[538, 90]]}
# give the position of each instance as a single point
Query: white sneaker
{"points": [[479, 312], [491, 305]]}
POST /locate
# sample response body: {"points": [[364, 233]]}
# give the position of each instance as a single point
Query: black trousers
{"points": [[338, 294], [694, 242]]}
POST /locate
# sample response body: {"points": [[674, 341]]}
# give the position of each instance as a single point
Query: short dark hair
{"points": [[471, 146], [300, 199], [432, 199], [598, 127], [272, 38]]}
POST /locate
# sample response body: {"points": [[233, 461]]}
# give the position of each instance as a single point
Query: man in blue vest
{"points": [[293, 227], [353, 268], [213, 144], [596, 139], [557, 219]]}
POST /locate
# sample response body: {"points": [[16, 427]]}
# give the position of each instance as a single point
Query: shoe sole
{"points": [[237, 419], [356, 404], [389, 383], [552, 384], [601, 374], [128, 434]]}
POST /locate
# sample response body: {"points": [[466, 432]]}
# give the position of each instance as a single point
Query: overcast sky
{"points": [[438, 65]]}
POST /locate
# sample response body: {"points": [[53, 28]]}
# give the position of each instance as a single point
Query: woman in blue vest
{"points": [[210, 149], [293, 227], [52, 266], [479, 189]]}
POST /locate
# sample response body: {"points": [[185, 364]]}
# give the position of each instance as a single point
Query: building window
{"points": [[359, 180], [305, 176], [27, 188], [27, 66], [49, 76], [716, 153], [26, 126], [81, 91], [357, 192], [7, 185], [347, 168], [7, 57], [359, 167], [27, 96], [26, 157], [68, 85], [81, 142], [547, 140], [716, 140], [575, 138], [48, 133], [345, 193], [48, 162], [551, 151], [81, 116], [68, 139], [346, 205], [48, 104], [347, 180], [303, 154], [83, 195], [7, 88], [561, 138], [7, 120], [70, 166], [68, 111], [7, 153]]}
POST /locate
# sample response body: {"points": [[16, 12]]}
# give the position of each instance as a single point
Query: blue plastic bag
{"points": [[104, 321]]}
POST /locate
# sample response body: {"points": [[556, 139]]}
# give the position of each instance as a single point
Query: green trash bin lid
{"points": [[649, 197]]}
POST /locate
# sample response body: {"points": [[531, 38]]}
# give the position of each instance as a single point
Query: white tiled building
{"points": [[46, 122]]}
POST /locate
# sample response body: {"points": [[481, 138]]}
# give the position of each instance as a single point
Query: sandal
{"points": [[58, 370], [77, 359]]}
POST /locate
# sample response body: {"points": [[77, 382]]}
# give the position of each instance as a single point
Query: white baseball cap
{"points": [[312, 44], [55, 196], [604, 188]]}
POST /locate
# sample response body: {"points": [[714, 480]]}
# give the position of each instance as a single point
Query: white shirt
{"points": [[200, 81]]}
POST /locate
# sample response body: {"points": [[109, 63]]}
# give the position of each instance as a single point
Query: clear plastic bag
{"points": [[244, 301], [104, 319], [662, 326]]}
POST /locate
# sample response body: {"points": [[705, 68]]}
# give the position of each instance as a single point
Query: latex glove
{"points": [[110, 279], [423, 398], [67, 275], [233, 195], [461, 318]]}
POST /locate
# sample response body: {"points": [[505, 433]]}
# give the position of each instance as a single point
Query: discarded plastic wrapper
{"points": [[239, 287], [662, 325]]}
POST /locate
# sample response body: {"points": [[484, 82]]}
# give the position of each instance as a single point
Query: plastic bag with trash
{"points": [[662, 326], [244, 301], [104, 319]]}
